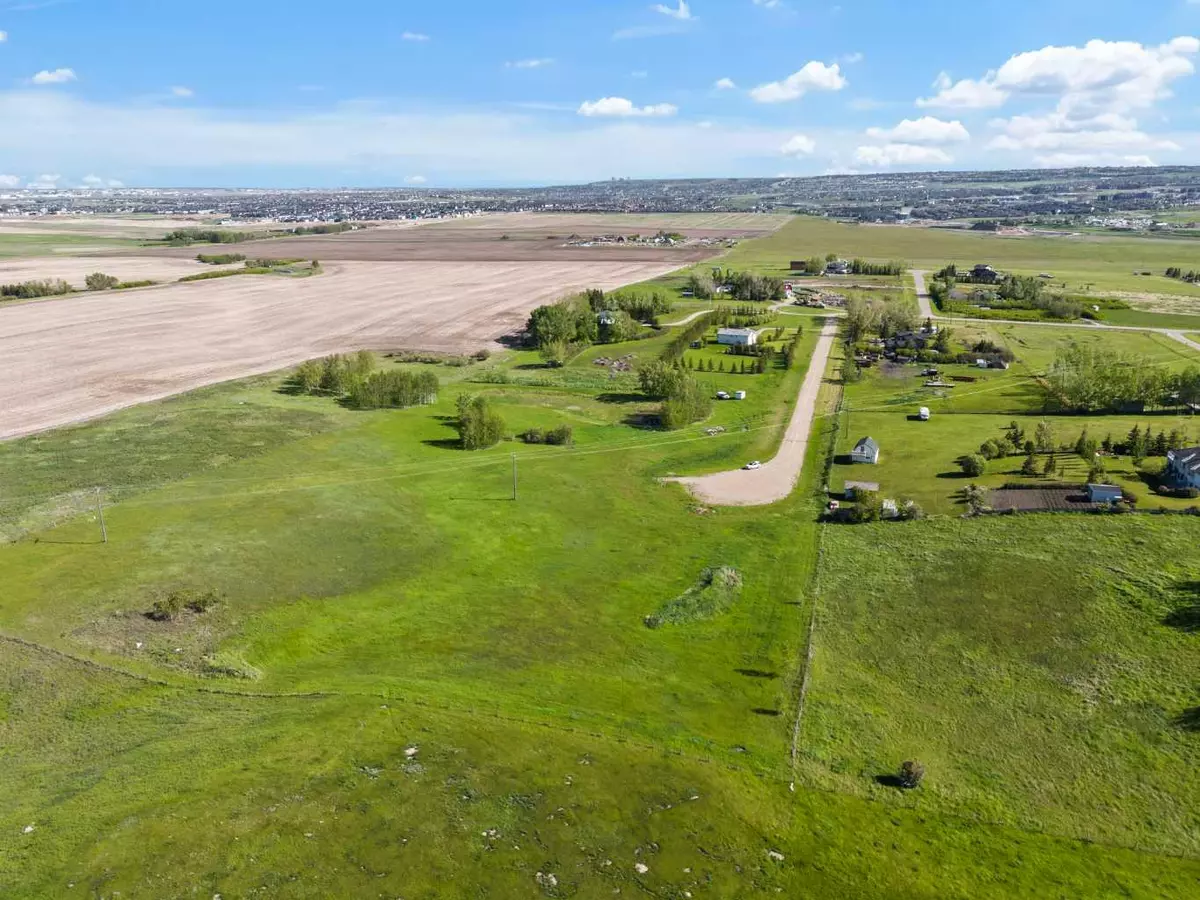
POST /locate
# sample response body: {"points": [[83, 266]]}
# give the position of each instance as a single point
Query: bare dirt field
{"points": [[137, 227], [509, 237], [75, 269], [69, 359]]}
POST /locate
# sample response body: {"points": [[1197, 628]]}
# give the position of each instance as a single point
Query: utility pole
{"points": [[514, 459], [100, 513]]}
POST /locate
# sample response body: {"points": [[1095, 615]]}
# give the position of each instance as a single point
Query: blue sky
{"points": [[293, 93]]}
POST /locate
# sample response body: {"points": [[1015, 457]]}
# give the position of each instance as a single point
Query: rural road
{"points": [[777, 478], [927, 312]]}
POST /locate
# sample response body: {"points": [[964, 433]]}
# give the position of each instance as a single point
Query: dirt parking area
{"points": [[1042, 499], [74, 358]]}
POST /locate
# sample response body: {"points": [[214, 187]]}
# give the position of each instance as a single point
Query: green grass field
{"points": [[1084, 264], [24, 245], [416, 686]]}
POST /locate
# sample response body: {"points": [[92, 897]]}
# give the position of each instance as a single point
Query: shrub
{"points": [[562, 436], [911, 774], [164, 609], [533, 436], [98, 281], [220, 259], [869, 508], [973, 465], [483, 355], [308, 376], [393, 389], [29, 290], [1029, 467], [479, 426], [716, 591]]}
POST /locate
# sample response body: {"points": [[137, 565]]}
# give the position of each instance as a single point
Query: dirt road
{"points": [[927, 312], [74, 358], [777, 478]]}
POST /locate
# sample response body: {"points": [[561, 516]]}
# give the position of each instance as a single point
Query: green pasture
{"points": [[23, 245], [1083, 264]]}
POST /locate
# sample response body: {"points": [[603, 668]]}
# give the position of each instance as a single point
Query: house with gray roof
{"points": [[1183, 467], [865, 451]]}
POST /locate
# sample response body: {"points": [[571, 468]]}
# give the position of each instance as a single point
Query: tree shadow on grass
{"points": [[1189, 719], [757, 673], [890, 781], [445, 443], [954, 476], [762, 711], [623, 398]]}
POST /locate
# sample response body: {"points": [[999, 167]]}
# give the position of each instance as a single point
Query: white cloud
{"points": [[414, 36], [416, 179], [10, 181], [58, 76], [3, 37], [619, 107], [902, 155], [1101, 75], [1060, 132], [776, 4], [926, 130], [724, 84], [965, 94], [181, 91], [683, 12], [815, 76], [799, 145], [93, 181], [539, 63], [44, 183]]}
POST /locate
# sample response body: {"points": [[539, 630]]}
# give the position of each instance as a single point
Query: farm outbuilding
{"points": [[855, 489], [865, 451], [737, 337], [1104, 493]]}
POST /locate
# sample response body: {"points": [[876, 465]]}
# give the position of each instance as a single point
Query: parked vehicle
{"points": [[753, 466]]}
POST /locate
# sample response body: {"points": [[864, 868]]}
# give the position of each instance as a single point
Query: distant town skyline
{"points": [[97, 94]]}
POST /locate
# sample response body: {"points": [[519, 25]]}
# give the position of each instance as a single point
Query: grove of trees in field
{"points": [[1090, 379]]}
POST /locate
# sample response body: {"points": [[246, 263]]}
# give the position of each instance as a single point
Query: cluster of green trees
{"points": [[1190, 276], [744, 287], [642, 307], [327, 228], [562, 436], [395, 389], [684, 399], [1091, 379], [336, 374], [884, 317], [556, 328], [98, 281], [478, 424], [815, 265], [185, 236], [271, 263], [791, 353], [220, 259], [29, 290]]}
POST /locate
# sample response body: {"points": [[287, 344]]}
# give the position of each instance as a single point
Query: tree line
{"points": [[1190, 276], [184, 236], [815, 265], [1089, 379], [29, 290]]}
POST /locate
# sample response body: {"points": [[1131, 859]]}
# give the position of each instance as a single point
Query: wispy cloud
{"points": [[724, 84], [416, 180], [58, 76], [3, 36], [183, 92], [415, 37], [619, 107], [682, 12], [529, 63]]}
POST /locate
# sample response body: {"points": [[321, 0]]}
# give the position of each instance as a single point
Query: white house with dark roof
{"points": [[865, 451], [1183, 467]]}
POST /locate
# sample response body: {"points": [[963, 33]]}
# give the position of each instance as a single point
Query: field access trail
{"points": [[777, 478], [924, 301], [70, 359]]}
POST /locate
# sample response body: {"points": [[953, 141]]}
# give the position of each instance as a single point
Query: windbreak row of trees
{"points": [[1089, 379], [692, 332], [815, 265], [29, 290], [184, 236], [395, 389], [884, 317], [1190, 276]]}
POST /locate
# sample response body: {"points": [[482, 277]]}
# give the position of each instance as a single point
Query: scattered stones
{"points": [[547, 880], [28, 829], [491, 834], [775, 855], [411, 752], [641, 868]]}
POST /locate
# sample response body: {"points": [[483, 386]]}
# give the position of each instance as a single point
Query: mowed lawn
{"points": [[1043, 668]]}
